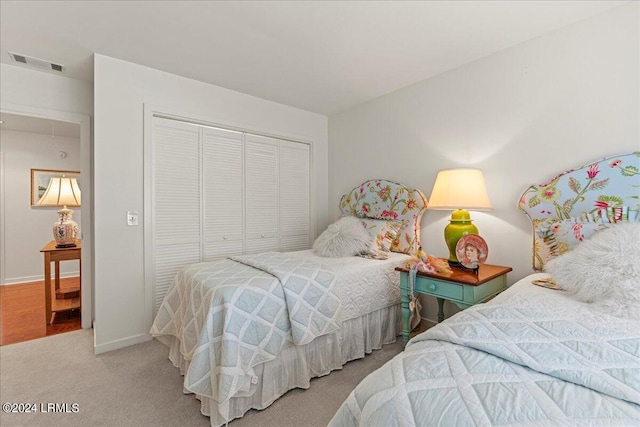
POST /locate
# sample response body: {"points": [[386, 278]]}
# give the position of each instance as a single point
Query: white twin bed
{"points": [[244, 331], [531, 357]]}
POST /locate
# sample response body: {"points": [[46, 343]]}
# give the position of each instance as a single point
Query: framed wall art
{"points": [[40, 180]]}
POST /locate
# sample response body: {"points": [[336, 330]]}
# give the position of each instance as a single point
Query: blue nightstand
{"points": [[462, 287]]}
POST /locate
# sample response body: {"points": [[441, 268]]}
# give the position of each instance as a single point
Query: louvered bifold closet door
{"points": [[223, 193], [175, 201], [294, 196], [261, 194]]}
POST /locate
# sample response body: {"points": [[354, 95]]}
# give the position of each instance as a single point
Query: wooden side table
{"points": [[462, 287], [53, 254]]}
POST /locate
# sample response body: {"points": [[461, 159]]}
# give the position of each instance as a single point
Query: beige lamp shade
{"points": [[62, 191], [460, 189]]}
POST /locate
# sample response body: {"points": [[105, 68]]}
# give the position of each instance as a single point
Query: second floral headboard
{"points": [[578, 203], [382, 199]]}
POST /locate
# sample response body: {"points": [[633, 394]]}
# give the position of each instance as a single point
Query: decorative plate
{"points": [[472, 251]]}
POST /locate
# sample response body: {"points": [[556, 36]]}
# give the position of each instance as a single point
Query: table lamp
{"points": [[458, 190], [63, 191]]}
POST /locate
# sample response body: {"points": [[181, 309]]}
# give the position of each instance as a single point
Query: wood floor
{"points": [[22, 312]]}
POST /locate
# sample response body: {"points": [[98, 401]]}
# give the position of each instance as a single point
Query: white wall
{"points": [[23, 86], [521, 115], [28, 228], [122, 90]]}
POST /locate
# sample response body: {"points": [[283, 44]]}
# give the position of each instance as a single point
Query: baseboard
{"points": [[40, 278], [118, 344]]}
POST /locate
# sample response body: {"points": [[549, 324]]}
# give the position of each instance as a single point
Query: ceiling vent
{"points": [[40, 64]]}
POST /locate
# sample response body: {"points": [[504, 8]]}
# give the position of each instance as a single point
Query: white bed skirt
{"points": [[296, 365]]}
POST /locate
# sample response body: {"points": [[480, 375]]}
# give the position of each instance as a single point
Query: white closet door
{"points": [[261, 201], [294, 196], [175, 201], [223, 193]]}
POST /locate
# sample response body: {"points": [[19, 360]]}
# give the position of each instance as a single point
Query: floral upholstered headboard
{"points": [[381, 199], [578, 203]]}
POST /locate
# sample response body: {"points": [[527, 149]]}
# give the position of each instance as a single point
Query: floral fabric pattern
{"points": [[381, 199], [578, 203], [383, 231]]}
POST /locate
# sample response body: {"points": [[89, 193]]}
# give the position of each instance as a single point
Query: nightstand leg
{"points": [[406, 311], [440, 309], [47, 288]]}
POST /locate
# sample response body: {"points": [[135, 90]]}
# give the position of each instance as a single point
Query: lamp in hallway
{"points": [[63, 191], [459, 190]]}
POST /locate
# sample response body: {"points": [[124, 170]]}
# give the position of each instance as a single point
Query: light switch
{"points": [[132, 218]]}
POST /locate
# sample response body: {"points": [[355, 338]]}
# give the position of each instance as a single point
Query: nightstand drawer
{"points": [[440, 289]]}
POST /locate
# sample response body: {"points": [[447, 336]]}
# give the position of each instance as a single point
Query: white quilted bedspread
{"points": [[535, 358], [234, 314], [311, 303]]}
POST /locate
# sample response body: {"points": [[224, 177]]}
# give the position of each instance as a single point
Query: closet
{"points": [[218, 192]]}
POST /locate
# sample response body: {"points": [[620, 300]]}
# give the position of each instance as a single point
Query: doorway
{"points": [[55, 126]]}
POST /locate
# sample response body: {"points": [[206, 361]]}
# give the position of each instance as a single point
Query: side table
{"points": [[463, 287], [53, 254]]}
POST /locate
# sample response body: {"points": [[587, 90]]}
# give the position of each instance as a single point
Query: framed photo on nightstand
{"points": [[472, 251]]}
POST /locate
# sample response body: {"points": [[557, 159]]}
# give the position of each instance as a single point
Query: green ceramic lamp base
{"points": [[459, 225]]}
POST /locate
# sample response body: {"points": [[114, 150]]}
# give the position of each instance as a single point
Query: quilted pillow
{"points": [[603, 270], [383, 232], [345, 237]]}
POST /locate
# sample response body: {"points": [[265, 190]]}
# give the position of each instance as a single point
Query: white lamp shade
{"points": [[62, 191], [460, 189]]}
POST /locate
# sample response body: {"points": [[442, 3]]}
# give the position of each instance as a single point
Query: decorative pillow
{"points": [[383, 231], [345, 237], [604, 270]]}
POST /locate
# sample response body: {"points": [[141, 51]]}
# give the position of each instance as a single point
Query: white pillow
{"points": [[345, 237], [603, 270]]}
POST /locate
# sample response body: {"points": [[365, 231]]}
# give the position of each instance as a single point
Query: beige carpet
{"points": [[138, 386]]}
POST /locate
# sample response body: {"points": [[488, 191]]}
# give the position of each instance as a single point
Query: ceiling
{"points": [[320, 56]]}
